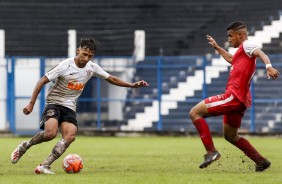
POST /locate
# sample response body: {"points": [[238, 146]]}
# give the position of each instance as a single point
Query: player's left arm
{"points": [[271, 72], [119, 82]]}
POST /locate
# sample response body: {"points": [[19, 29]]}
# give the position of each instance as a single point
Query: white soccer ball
{"points": [[72, 163]]}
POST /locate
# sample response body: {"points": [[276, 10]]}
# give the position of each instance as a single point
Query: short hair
{"points": [[236, 25], [90, 43]]}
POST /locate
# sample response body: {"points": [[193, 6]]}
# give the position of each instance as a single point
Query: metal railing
{"points": [[158, 66]]}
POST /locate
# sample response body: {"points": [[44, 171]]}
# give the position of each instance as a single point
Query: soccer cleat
{"points": [[262, 165], [18, 153], [43, 169], [209, 158]]}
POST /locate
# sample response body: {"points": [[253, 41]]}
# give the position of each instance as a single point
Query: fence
{"points": [[173, 81]]}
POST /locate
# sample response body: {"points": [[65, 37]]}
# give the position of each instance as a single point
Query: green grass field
{"points": [[134, 160]]}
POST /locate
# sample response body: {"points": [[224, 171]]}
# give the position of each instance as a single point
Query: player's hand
{"points": [[212, 41], [141, 83], [28, 109], [272, 73]]}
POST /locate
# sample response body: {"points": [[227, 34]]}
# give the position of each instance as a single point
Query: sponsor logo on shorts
{"points": [[50, 112], [41, 123]]}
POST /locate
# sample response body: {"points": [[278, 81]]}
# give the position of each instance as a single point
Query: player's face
{"points": [[233, 38], [84, 55]]}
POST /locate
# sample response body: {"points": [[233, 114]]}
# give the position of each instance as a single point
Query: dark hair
{"points": [[90, 43], [236, 25]]}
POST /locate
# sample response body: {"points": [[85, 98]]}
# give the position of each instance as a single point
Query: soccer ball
{"points": [[72, 163]]}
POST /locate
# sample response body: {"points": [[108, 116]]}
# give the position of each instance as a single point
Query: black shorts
{"points": [[61, 113]]}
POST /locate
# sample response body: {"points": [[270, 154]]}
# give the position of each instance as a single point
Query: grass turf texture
{"points": [[135, 160]]}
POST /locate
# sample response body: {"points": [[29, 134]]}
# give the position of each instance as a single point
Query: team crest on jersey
{"points": [[88, 73], [50, 112]]}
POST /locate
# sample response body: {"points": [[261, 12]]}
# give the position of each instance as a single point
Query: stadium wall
{"points": [[23, 73], [3, 94]]}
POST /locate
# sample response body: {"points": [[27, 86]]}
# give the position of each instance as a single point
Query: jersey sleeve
{"points": [[55, 72], [99, 72], [249, 47]]}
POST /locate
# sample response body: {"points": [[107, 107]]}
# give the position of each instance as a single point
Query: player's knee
{"points": [[230, 138], [69, 138], [49, 134], [193, 114]]}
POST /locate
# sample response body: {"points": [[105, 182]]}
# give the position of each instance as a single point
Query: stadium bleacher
{"points": [[177, 27], [177, 119]]}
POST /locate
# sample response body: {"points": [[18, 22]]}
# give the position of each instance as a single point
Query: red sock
{"points": [[205, 134], [244, 145]]}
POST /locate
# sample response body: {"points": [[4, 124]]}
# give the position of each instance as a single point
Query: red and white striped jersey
{"points": [[243, 67]]}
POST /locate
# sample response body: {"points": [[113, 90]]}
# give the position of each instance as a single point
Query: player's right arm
{"points": [[28, 109], [226, 55]]}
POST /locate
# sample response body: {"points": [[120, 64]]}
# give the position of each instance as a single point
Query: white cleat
{"points": [[18, 153], [43, 169]]}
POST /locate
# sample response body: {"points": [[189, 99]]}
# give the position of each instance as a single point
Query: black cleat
{"points": [[209, 158], [262, 165]]}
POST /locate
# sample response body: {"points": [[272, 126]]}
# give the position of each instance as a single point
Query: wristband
{"points": [[267, 66]]}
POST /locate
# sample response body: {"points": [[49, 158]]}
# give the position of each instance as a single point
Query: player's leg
{"points": [[69, 132], [68, 128], [213, 106], [49, 133], [231, 124], [197, 115]]}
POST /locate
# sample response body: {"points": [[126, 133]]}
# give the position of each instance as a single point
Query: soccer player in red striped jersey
{"points": [[236, 99]]}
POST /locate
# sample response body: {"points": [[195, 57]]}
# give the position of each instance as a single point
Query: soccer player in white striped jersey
{"points": [[70, 77]]}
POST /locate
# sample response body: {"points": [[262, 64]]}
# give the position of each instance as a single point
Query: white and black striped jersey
{"points": [[69, 81]]}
